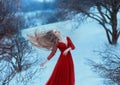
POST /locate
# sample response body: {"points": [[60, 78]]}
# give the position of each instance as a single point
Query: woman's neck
{"points": [[63, 39]]}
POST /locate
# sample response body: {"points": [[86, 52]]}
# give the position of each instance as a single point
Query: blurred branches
{"points": [[105, 12], [108, 66], [15, 52]]}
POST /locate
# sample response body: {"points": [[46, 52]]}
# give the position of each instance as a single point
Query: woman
{"points": [[63, 73]]}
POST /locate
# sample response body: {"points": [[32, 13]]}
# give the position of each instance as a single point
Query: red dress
{"points": [[63, 73]]}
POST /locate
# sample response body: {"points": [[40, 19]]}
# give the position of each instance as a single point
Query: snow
{"points": [[87, 38]]}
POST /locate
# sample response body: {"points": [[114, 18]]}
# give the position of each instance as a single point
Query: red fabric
{"points": [[63, 73], [52, 53]]}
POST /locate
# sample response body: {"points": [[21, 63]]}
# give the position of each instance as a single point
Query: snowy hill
{"points": [[88, 37]]}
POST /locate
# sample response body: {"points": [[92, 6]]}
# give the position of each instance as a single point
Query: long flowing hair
{"points": [[46, 39]]}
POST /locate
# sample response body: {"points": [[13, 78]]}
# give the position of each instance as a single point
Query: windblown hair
{"points": [[45, 39]]}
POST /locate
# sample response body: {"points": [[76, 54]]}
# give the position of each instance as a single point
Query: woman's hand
{"points": [[42, 64], [66, 51]]}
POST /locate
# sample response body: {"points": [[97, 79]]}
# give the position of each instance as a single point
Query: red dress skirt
{"points": [[63, 73]]}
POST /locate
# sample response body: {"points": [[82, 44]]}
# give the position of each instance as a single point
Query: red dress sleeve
{"points": [[70, 43], [52, 53]]}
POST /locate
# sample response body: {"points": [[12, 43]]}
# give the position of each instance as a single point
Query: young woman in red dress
{"points": [[63, 73]]}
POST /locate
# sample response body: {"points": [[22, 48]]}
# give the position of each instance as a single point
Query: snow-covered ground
{"points": [[87, 38]]}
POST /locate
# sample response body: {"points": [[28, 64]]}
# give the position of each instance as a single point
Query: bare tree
{"points": [[109, 65], [15, 52], [16, 57], [103, 11], [8, 19]]}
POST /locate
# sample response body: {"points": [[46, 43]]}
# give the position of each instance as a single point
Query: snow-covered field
{"points": [[87, 38]]}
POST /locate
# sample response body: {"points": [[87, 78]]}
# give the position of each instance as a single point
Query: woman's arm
{"points": [[50, 55], [71, 46], [70, 43], [67, 50]]}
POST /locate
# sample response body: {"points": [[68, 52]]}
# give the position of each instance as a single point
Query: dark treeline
{"points": [[28, 6]]}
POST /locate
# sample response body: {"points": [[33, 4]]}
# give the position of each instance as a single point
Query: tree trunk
{"points": [[114, 26], [114, 39]]}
